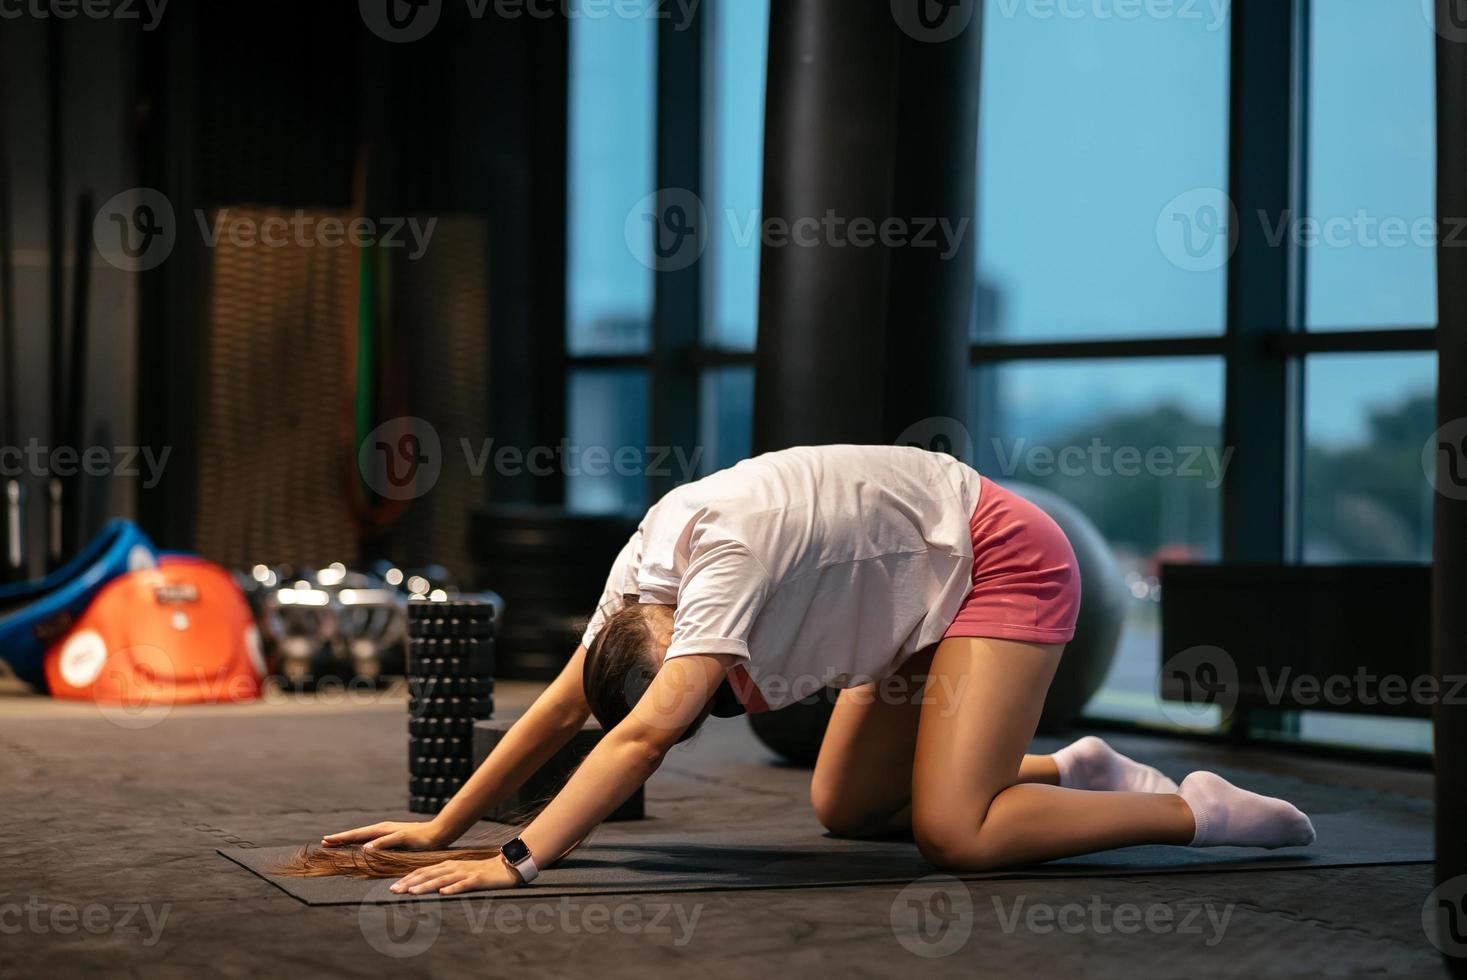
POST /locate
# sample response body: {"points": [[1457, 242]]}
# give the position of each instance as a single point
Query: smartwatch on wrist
{"points": [[518, 857]]}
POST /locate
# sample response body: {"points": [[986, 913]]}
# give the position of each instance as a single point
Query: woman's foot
{"points": [[1090, 763], [1229, 816]]}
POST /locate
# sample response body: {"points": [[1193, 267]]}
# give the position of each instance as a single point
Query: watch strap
{"points": [[525, 866]]}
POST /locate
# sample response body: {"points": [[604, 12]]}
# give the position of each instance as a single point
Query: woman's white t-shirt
{"points": [[819, 566]]}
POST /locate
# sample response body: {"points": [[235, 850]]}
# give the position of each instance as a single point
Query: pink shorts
{"points": [[1026, 585]]}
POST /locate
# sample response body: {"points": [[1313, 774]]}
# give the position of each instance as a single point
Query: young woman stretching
{"points": [[871, 569]]}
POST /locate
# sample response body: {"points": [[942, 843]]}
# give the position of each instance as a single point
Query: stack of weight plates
{"points": [[450, 674]]}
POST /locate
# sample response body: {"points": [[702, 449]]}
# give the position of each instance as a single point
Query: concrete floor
{"points": [[112, 820]]}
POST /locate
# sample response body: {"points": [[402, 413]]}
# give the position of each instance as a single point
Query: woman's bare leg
{"points": [[862, 785], [969, 810], [863, 777], [1039, 769]]}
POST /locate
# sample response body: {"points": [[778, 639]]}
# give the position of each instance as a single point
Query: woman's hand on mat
{"points": [[452, 877], [387, 836]]}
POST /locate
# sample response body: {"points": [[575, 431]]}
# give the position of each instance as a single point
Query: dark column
{"points": [[930, 296], [865, 122], [526, 60], [1449, 583], [170, 351], [1263, 297]]}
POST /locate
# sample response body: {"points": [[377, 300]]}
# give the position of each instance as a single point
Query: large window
{"points": [[1104, 216], [734, 150], [1369, 246], [1103, 155], [607, 418], [1367, 498], [613, 108], [1136, 445], [738, 49], [1367, 417], [612, 332], [1077, 427], [609, 286], [1090, 127], [728, 417], [1366, 250], [1103, 336]]}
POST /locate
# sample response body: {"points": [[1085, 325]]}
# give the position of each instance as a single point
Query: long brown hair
{"points": [[620, 665], [356, 862]]}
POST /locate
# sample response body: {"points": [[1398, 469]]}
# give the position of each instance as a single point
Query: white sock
{"points": [[1090, 763], [1229, 816]]}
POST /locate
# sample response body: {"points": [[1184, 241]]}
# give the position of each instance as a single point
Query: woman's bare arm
{"points": [[623, 761], [627, 756], [551, 722]]}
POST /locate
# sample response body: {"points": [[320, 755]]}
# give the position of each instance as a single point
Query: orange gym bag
{"points": [[180, 633]]}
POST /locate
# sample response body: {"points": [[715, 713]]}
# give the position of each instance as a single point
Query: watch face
{"points": [[515, 851]]}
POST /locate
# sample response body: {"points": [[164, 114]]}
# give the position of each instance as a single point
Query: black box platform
{"points": [[545, 783]]}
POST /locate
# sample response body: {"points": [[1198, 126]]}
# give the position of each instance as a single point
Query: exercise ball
{"points": [[794, 733]]}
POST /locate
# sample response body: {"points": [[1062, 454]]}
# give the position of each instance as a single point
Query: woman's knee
{"points": [[940, 844], [834, 813], [950, 843]]}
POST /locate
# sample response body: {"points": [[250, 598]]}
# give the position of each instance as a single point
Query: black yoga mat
{"points": [[621, 862]]}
